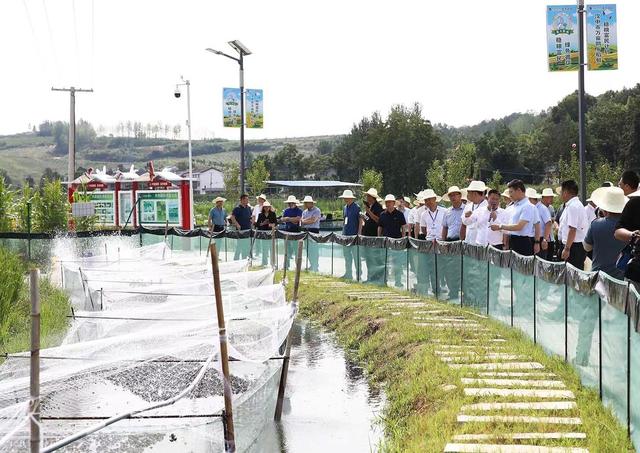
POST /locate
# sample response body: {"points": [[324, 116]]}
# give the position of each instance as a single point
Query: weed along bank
{"points": [[127, 199]]}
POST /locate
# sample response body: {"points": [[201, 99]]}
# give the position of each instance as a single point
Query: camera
{"points": [[177, 93]]}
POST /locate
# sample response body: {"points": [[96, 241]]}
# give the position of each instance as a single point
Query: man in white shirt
{"points": [[431, 220], [590, 211], [411, 220], [521, 228], [545, 224], [573, 225], [417, 215], [476, 202], [492, 214]]}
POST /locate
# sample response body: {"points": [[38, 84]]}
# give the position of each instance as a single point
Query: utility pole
{"points": [[582, 107], [72, 127], [242, 157]]}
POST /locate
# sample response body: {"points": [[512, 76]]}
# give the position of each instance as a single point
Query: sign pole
{"points": [[582, 107]]}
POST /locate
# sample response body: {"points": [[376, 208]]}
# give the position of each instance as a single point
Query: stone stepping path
{"points": [[518, 419], [514, 382], [489, 448], [538, 406], [519, 436], [519, 392]]}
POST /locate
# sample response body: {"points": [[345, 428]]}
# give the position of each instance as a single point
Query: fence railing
{"points": [[589, 319]]}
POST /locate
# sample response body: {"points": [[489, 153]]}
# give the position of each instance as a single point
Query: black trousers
{"points": [[498, 246], [218, 228], [577, 255], [522, 245]]}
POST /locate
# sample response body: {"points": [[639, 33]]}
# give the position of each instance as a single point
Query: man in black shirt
{"points": [[391, 220], [391, 225], [371, 216], [629, 224]]}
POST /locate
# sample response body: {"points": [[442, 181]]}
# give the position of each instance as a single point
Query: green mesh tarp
{"points": [[500, 293], [614, 343], [319, 253], [346, 257], [373, 258], [397, 268], [449, 262], [474, 284], [422, 272], [261, 251], [634, 366], [583, 335], [550, 306], [523, 303]]}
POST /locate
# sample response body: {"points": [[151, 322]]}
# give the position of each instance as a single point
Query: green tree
{"points": [[51, 211], [21, 208], [257, 175], [372, 178], [6, 205], [496, 181], [231, 178]]}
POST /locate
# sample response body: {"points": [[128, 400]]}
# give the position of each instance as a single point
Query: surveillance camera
{"points": [[176, 93]]}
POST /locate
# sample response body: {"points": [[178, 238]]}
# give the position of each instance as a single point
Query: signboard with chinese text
{"points": [[255, 114], [125, 204], [158, 206], [602, 40], [105, 206], [231, 107], [562, 38]]}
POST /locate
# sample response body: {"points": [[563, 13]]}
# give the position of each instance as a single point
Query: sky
{"points": [[322, 65]]}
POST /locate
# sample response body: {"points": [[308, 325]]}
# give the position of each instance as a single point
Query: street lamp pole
{"points": [[242, 51], [187, 83], [582, 106]]}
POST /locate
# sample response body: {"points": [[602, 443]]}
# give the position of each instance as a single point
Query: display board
{"points": [[105, 206], [156, 207]]}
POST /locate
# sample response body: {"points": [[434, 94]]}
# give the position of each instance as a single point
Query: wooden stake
{"points": [[285, 361], [285, 266], [229, 441], [34, 405], [274, 258]]}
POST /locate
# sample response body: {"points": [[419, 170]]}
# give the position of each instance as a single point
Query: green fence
{"points": [[591, 320]]}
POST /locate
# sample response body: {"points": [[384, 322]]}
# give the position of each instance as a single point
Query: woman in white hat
{"points": [[600, 237], [257, 209], [352, 225]]}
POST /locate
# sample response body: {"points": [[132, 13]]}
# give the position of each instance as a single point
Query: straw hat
{"points": [[292, 199], [610, 199], [390, 197], [418, 202], [506, 194], [379, 200], [347, 194], [476, 186], [407, 199], [429, 193], [452, 189], [559, 190], [217, 199], [464, 194], [373, 192], [548, 192], [532, 193], [308, 199], [263, 196], [266, 204]]}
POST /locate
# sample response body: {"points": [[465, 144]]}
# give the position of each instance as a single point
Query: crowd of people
{"points": [[519, 219]]}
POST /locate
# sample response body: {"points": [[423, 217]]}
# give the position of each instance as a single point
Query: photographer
{"points": [[628, 228]]}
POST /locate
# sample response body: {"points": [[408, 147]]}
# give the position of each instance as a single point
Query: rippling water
{"points": [[329, 407]]}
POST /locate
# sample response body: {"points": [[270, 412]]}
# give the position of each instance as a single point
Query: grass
{"points": [[420, 414], [15, 308]]}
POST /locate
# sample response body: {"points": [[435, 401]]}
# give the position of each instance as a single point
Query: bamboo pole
{"points": [[34, 406], [229, 441], [274, 257], [285, 362], [286, 257]]}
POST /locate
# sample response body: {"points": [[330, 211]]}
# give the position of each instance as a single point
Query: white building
{"points": [[207, 181]]}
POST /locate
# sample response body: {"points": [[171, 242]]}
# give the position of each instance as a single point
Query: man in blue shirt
{"points": [[352, 225], [241, 219], [453, 230], [521, 229], [217, 216]]}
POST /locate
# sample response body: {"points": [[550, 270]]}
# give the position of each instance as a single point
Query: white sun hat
{"points": [[347, 194], [610, 199], [476, 186], [217, 199], [308, 199], [532, 193], [548, 192], [390, 197], [429, 193], [407, 199], [506, 194], [373, 192], [464, 193], [452, 189], [266, 204], [263, 196], [292, 199]]}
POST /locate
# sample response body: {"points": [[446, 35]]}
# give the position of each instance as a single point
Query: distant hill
{"points": [[28, 154]]}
